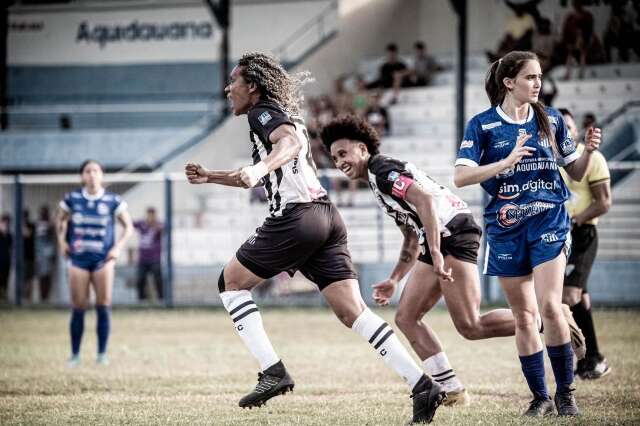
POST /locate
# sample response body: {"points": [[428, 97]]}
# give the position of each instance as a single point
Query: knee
{"points": [[405, 321], [347, 317], [551, 310], [469, 330], [525, 319], [571, 296]]}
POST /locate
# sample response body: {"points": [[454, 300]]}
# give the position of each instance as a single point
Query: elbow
{"points": [[459, 181], [605, 205]]}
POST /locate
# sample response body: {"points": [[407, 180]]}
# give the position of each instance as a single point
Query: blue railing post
{"points": [[18, 242], [168, 213]]}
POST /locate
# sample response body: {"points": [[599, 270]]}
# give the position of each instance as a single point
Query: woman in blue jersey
{"points": [[86, 235], [513, 150]]}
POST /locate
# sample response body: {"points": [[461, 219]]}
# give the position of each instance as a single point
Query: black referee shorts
{"points": [[583, 253], [463, 243], [309, 237]]}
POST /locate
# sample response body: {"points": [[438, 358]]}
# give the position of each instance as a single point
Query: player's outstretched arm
{"points": [[286, 146], [466, 175], [384, 290], [198, 174]]}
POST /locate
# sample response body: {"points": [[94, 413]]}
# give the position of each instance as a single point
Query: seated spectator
{"points": [[518, 33], [543, 44], [377, 115], [424, 67], [388, 69]]}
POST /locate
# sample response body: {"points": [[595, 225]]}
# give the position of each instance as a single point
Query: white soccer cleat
{"points": [[74, 361], [102, 359]]}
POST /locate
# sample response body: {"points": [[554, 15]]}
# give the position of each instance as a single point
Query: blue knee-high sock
{"points": [[76, 328], [103, 326], [561, 358], [533, 369]]}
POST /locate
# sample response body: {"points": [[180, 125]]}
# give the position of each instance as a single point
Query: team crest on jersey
{"points": [[103, 209], [264, 118], [393, 176]]}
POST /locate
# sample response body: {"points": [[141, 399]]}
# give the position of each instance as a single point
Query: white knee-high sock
{"points": [[381, 336], [248, 323], [438, 367]]}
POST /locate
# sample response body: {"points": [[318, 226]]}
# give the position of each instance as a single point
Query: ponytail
{"points": [[495, 89]]}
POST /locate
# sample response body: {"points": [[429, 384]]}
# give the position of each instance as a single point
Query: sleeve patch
{"points": [[466, 144], [393, 176], [264, 118], [400, 186]]}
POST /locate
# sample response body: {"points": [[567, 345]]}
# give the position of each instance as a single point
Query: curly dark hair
{"points": [[273, 81], [353, 128]]}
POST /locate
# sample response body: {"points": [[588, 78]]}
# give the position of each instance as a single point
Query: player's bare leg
{"points": [[234, 285], [421, 292]]}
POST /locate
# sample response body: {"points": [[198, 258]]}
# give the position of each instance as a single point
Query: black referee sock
{"points": [[584, 319]]}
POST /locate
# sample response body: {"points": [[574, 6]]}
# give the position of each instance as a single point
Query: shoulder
{"points": [[382, 165], [264, 111], [486, 120]]}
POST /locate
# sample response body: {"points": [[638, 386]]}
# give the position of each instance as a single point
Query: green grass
{"points": [[189, 367]]}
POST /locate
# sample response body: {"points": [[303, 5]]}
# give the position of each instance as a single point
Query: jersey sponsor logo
{"points": [[393, 176], [505, 256], [501, 144], [549, 237], [509, 191], [533, 164], [80, 219], [511, 214], [491, 125], [103, 209], [264, 118], [466, 144]]}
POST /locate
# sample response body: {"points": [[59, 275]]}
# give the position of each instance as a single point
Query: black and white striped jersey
{"points": [[294, 182], [389, 179]]}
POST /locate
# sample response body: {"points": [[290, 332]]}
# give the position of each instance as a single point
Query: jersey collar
{"points": [[94, 197], [510, 120]]}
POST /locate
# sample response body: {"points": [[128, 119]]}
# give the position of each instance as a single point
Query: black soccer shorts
{"points": [[463, 243], [309, 237], [583, 253]]}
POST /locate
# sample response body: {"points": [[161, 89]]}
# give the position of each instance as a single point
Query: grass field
{"points": [[189, 367]]}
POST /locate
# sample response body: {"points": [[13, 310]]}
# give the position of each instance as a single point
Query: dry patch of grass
{"points": [[189, 367]]}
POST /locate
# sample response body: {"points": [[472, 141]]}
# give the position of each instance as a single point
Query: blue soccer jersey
{"points": [[534, 185], [91, 230]]}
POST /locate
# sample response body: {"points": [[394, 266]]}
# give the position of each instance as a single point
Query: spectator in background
{"points": [[389, 68], [29, 254], [518, 33], [149, 253], [360, 100], [424, 66], [543, 44], [579, 39], [45, 252], [6, 243], [377, 115], [619, 33]]}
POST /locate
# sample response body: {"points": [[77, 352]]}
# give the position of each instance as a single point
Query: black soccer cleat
{"points": [[539, 407], [272, 382], [566, 403], [427, 396]]}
